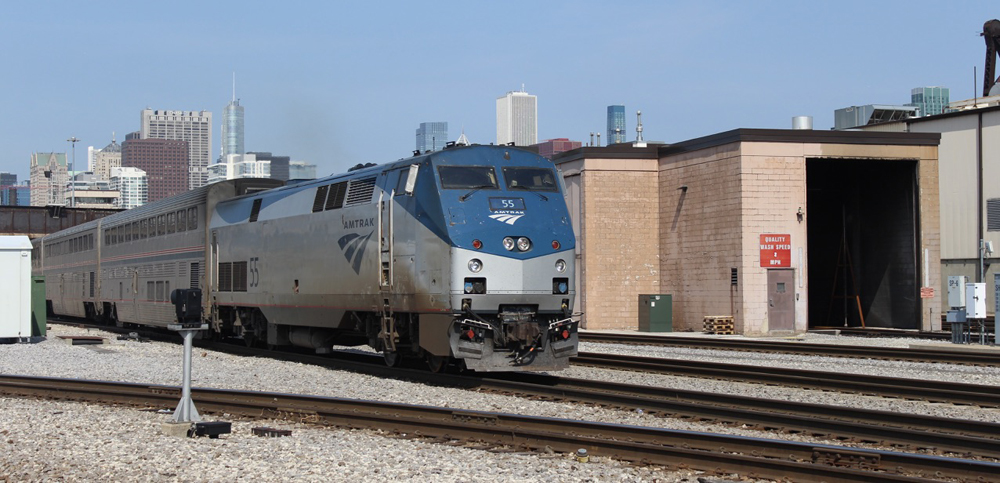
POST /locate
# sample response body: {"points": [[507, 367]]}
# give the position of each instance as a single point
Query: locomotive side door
{"points": [[386, 195]]}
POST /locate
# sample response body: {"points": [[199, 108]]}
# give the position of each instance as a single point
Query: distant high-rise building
{"points": [[279, 164], [517, 118], [239, 166], [104, 159], [48, 175], [232, 128], [301, 170], [194, 127], [432, 136], [132, 186], [930, 100], [8, 189], [552, 147], [163, 160], [616, 125]]}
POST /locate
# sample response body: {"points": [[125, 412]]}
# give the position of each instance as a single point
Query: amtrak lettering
{"points": [[507, 216], [358, 223]]}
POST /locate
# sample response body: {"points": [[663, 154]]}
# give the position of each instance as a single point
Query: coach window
{"points": [[128, 233], [120, 234], [135, 231], [142, 229], [152, 226], [192, 218], [181, 220], [170, 222], [161, 225]]}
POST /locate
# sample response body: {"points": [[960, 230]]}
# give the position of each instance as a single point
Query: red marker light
{"points": [[471, 334], [565, 334], [555, 244], [477, 244]]}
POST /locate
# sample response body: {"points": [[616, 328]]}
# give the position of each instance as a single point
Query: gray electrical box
{"points": [[956, 291], [996, 293], [975, 300]]}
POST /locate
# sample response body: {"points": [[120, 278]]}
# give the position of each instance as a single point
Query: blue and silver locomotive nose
{"points": [[512, 262]]}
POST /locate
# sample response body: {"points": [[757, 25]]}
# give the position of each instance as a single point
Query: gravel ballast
{"points": [[76, 442]]}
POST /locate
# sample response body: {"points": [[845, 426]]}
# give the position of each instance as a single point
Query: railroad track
{"points": [[924, 433], [894, 387], [831, 422], [981, 358], [720, 454]]}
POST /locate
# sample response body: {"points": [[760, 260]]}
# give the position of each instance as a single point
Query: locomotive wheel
{"points": [[436, 363], [392, 359]]}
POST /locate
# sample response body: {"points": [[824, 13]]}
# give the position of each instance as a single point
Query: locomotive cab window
{"points": [[531, 179], [467, 177]]}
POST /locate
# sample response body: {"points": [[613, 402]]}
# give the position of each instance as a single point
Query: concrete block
{"points": [[180, 430]]}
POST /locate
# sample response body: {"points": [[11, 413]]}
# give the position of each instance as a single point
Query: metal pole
{"points": [[72, 183], [186, 411]]}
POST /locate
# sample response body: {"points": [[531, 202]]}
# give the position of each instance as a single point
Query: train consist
{"points": [[462, 256]]}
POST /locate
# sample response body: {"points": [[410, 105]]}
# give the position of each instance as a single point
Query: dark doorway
{"points": [[862, 243]]}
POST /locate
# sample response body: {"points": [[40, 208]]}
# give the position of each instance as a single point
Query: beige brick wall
{"points": [[619, 242], [699, 234], [640, 233], [774, 188]]}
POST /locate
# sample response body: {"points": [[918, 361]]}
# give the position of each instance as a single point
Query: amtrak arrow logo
{"points": [[354, 246], [506, 218]]}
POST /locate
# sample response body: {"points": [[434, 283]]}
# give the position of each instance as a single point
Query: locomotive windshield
{"points": [[468, 177], [531, 179]]}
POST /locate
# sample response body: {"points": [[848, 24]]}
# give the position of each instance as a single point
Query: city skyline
{"points": [[353, 106]]}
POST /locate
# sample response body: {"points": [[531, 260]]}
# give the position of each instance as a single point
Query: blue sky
{"points": [[340, 83]]}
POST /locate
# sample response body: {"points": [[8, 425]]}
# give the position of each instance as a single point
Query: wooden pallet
{"points": [[720, 325]]}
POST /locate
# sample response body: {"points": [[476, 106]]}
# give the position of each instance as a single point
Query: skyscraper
{"points": [[194, 127], [930, 100], [49, 174], [232, 128], [133, 186], [279, 164], [517, 118], [616, 124], [163, 160], [8, 192], [106, 159], [432, 136]]}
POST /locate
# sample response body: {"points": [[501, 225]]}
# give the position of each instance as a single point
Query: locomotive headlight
{"points": [[508, 243], [523, 244], [475, 265], [560, 265]]}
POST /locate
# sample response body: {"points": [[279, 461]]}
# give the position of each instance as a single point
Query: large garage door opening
{"points": [[862, 243]]}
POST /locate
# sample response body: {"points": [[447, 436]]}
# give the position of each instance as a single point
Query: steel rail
{"points": [[896, 387], [833, 422], [829, 350], [721, 454]]}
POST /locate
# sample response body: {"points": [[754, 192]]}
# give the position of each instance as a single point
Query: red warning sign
{"points": [[775, 251]]}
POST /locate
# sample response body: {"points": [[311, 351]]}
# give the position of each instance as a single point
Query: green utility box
{"points": [[38, 310], [656, 313]]}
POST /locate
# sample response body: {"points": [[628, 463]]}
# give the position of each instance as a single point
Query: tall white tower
{"points": [[517, 118]]}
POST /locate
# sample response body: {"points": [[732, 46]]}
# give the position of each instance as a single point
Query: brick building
{"points": [[165, 162], [781, 229]]}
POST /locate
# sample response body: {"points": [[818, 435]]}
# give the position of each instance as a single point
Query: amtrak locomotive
{"points": [[461, 256]]}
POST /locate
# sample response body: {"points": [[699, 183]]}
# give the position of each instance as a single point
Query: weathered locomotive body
{"points": [[465, 254]]}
